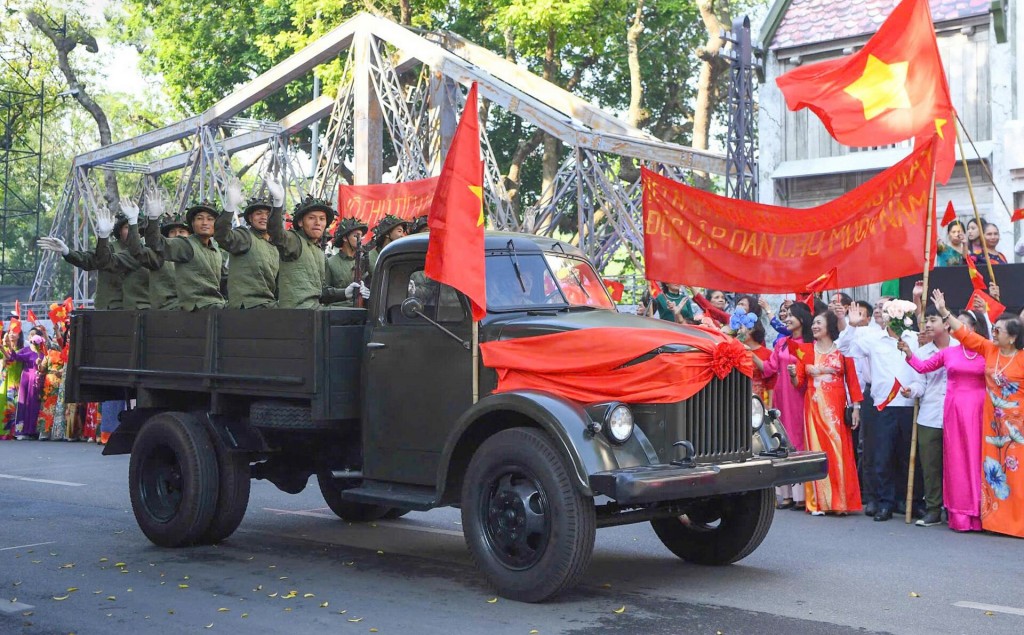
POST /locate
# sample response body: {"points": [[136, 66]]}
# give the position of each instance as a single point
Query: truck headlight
{"points": [[758, 413], [618, 423]]}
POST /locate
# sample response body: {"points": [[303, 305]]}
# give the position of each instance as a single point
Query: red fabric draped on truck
{"points": [[589, 365]]}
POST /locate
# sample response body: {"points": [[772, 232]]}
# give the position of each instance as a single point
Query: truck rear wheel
{"points": [[529, 530], [233, 497], [348, 510], [721, 531], [173, 479]]}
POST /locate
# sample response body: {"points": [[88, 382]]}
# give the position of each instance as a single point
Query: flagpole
{"points": [[984, 166], [974, 204], [929, 229], [476, 361]]}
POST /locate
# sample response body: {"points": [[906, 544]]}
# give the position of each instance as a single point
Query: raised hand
{"points": [[939, 300], [993, 290], [131, 212], [233, 196], [276, 191], [154, 205], [52, 243], [105, 222]]}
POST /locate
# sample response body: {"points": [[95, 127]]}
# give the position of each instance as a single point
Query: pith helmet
{"points": [[346, 226], [311, 204], [384, 227], [201, 206], [171, 221], [419, 224], [256, 203]]}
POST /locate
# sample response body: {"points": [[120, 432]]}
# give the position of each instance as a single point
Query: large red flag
{"points": [[892, 89], [455, 253]]}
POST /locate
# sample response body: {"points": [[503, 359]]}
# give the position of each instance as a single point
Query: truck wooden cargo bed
{"points": [[225, 357]]}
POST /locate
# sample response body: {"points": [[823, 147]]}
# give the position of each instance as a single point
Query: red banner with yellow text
{"points": [[370, 203], [872, 233]]}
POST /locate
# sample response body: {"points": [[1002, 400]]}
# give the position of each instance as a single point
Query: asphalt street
{"points": [[72, 560]]}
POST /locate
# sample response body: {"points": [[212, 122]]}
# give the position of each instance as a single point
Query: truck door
{"points": [[417, 379]]}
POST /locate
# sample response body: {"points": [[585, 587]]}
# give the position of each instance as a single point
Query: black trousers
{"points": [[862, 443], [890, 434]]}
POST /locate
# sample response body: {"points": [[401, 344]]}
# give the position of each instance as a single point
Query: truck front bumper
{"points": [[655, 483]]}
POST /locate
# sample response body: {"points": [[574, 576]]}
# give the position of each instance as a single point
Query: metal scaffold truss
{"points": [[391, 118]]}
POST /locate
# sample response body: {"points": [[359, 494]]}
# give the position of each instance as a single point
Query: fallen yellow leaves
{"points": [[308, 595], [120, 564], [914, 595], [103, 560], [323, 605], [534, 631], [70, 565], [245, 615], [492, 600], [272, 595], [182, 586], [355, 619], [111, 597], [61, 598], [620, 610], [223, 610], [71, 589]]}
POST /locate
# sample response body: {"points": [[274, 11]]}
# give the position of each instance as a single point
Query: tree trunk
{"points": [[637, 115], [552, 146], [711, 69], [65, 43], [405, 12]]}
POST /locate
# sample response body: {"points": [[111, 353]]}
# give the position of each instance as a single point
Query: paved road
{"points": [[292, 567]]}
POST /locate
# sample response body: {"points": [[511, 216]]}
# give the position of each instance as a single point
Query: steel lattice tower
{"points": [[740, 157]]}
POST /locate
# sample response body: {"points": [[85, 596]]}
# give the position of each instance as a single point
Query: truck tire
{"points": [[348, 510], [528, 528], [233, 495], [284, 415], [173, 480], [722, 532]]}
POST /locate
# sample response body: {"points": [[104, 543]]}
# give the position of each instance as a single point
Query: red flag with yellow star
{"points": [[455, 252], [977, 281], [896, 387], [825, 282], [891, 90]]}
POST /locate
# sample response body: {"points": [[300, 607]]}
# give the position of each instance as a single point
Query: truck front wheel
{"points": [[173, 479], [529, 530], [719, 531]]}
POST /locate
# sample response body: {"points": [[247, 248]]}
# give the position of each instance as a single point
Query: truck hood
{"points": [[532, 324]]}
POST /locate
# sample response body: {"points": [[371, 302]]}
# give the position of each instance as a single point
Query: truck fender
{"points": [[566, 421], [130, 422]]}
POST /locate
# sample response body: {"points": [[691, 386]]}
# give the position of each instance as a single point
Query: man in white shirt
{"points": [[929, 416], [861, 311], [892, 427]]}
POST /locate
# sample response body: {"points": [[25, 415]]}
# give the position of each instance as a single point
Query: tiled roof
{"points": [[813, 21]]}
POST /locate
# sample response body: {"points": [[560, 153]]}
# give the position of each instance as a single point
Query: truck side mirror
{"points": [[412, 307]]}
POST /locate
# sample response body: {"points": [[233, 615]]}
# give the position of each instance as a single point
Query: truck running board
{"points": [[415, 497]]}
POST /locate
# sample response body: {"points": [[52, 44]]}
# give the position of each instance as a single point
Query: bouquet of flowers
{"points": [[899, 315]]}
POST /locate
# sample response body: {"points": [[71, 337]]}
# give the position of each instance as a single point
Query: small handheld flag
{"points": [[950, 214], [896, 387], [977, 281], [795, 349], [993, 309], [615, 289], [31, 316], [1018, 214], [826, 281]]}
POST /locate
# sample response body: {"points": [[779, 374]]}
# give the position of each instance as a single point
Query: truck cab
{"points": [[392, 410]]}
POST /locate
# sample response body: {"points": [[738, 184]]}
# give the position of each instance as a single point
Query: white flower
{"points": [[908, 322]]}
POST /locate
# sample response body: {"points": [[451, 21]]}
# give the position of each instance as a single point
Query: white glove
{"points": [[52, 243], [131, 211], [364, 291], [350, 290], [276, 192], [233, 196], [154, 206], [105, 222]]}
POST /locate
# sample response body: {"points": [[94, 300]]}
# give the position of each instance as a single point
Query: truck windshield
{"points": [[548, 280]]}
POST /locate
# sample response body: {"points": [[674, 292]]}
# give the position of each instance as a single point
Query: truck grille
{"points": [[716, 421]]}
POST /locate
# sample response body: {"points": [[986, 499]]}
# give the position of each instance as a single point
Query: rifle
{"points": [[360, 270]]}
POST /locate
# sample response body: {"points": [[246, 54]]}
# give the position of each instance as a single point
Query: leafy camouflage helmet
{"points": [[202, 206], [346, 226], [256, 203], [170, 221], [311, 204], [385, 226], [419, 224]]}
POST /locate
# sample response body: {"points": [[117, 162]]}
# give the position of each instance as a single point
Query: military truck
{"points": [[377, 404]]}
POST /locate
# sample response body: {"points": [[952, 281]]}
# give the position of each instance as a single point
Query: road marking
{"points": [[35, 544], [995, 608], [41, 480], [385, 523], [10, 608]]}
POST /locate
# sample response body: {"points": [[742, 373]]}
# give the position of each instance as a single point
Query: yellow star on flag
{"points": [[478, 191], [939, 123], [881, 87]]}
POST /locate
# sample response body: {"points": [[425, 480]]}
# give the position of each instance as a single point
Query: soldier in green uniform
{"points": [[388, 229], [198, 260], [109, 280], [254, 263], [302, 277], [163, 293], [341, 267], [135, 286]]}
